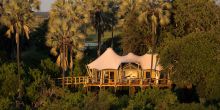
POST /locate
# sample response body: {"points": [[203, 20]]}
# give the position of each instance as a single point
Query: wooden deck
{"points": [[135, 82]]}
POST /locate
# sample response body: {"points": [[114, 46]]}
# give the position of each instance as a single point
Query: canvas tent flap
{"points": [[110, 60], [130, 58], [145, 62]]}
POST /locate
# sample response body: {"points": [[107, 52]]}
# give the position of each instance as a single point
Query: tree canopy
{"points": [[195, 16], [186, 32], [194, 59], [66, 33]]}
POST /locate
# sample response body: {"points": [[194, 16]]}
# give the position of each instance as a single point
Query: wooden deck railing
{"points": [[88, 81], [72, 80]]}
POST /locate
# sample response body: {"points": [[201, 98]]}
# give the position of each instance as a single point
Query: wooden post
{"points": [[95, 77], [168, 79], [87, 89], [103, 76], [109, 76], [131, 90], [145, 74], [100, 78], [129, 82], [157, 78], [141, 82], [115, 77], [143, 89], [71, 80]]}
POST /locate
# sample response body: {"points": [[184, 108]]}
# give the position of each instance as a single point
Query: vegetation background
{"points": [[185, 33]]}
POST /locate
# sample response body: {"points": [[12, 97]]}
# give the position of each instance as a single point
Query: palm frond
{"points": [[26, 31], [8, 33]]}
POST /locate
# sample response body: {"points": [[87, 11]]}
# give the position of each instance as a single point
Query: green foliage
{"points": [[8, 80], [134, 36], [143, 22], [5, 103], [191, 106], [78, 101], [100, 15], [73, 100], [3, 56], [77, 70], [39, 85], [101, 101], [50, 68], [18, 17], [63, 100], [152, 99], [39, 34], [65, 33], [195, 16], [123, 101], [116, 44], [194, 59]]}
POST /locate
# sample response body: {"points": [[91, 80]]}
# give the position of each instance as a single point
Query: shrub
{"points": [[49, 68], [101, 101], [152, 99], [9, 80]]}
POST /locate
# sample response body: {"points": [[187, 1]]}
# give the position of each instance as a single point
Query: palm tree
{"points": [[65, 33], [98, 15], [126, 8], [155, 13], [18, 17], [114, 7]]}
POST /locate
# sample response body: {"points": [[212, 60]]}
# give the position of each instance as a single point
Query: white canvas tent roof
{"points": [[110, 60]]}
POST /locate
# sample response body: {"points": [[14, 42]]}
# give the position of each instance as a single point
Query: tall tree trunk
{"points": [[99, 42], [18, 70], [71, 62], [112, 34], [63, 65], [151, 66], [152, 57], [18, 64]]}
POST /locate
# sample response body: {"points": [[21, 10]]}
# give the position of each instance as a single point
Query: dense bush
{"points": [[152, 99], [41, 93], [192, 56], [49, 68], [136, 36], [79, 101], [194, 60], [6, 103], [194, 16], [192, 106], [8, 80], [101, 101]]}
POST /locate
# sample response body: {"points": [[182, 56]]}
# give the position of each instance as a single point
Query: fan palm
{"points": [[18, 17], [65, 36], [126, 8], [97, 14], [114, 7], [155, 13]]}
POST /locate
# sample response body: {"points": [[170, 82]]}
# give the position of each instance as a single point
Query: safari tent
{"points": [[111, 68]]}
